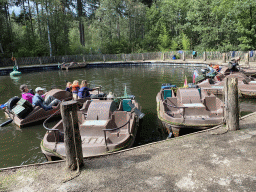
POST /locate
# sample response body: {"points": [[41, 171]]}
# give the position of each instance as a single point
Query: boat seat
{"points": [[210, 103], [188, 96], [101, 110], [120, 118], [86, 105], [167, 93]]}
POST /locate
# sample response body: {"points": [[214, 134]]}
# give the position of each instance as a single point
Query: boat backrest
{"points": [[126, 106], [210, 103], [167, 93], [86, 105], [120, 118], [190, 95], [101, 110], [171, 101]]}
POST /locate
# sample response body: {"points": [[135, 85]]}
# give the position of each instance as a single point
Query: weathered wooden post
{"points": [[142, 57], [205, 58], [83, 58], [246, 56], [72, 137], [231, 104], [104, 59], [183, 56], [163, 56], [224, 57]]}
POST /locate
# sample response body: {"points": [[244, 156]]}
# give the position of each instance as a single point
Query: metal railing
{"points": [[183, 108], [117, 128]]}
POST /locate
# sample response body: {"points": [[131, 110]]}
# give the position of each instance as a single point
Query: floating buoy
{"points": [[13, 59]]}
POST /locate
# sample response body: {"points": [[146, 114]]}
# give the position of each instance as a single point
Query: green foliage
{"points": [[174, 46], [164, 40], [185, 42], [125, 26]]}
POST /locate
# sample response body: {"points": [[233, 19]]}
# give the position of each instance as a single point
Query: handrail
{"points": [[45, 121], [183, 114], [105, 130]]}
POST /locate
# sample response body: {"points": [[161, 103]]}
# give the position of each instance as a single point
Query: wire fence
{"points": [[213, 55]]}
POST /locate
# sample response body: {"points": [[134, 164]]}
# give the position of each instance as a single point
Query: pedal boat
{"points": [[105, 126], [188, 108], [72, 65], [246, 85], [27, 114]]}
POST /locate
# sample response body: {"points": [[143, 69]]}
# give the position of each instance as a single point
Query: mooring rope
{"points": [[78, 172]]}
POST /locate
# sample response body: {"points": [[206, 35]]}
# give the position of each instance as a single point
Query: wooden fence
{"points": [[214, 55]]}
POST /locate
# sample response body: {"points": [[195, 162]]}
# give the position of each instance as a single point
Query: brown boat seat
{"points": [[86, 105], [101, 110], [210, 103], [188, 95], [120, 118]]}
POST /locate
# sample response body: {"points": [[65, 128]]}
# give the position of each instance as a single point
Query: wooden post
{"points": [[40, 60], [224, 57], [83, 58], [183, 56], [246, 62], [104, 59], [73, 146], [163, 56], [231, 104]]}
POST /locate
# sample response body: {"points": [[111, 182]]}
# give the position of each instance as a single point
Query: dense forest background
{"points": [[70, 27]]}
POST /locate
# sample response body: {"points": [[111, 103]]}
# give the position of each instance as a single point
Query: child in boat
{"points": [[84, 90], [68, 87], [75, 89], [26, 93]]}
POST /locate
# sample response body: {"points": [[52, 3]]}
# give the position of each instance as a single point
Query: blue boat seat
{"points": [[167, 93], [126, 107]]}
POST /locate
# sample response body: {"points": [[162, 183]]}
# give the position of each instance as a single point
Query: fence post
{"points": [[246, 62], [40, 60], [224, 57], [104, 59], [142, 57], [231, 104], [205, 58], [72, 137], [183, 56], [163, 55], [83, 58]]}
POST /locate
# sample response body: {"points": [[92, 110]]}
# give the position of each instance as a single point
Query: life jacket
{"points": [[75, 88]]}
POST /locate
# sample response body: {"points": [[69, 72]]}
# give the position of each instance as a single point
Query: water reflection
{"points": [[15, 79]]}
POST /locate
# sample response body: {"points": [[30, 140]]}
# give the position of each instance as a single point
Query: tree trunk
{"points": [[38, 20], [81, 25], [48, 30], [30, 18]]}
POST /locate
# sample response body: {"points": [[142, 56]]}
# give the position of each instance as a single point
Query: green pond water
{"points": [[22, 146]]}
